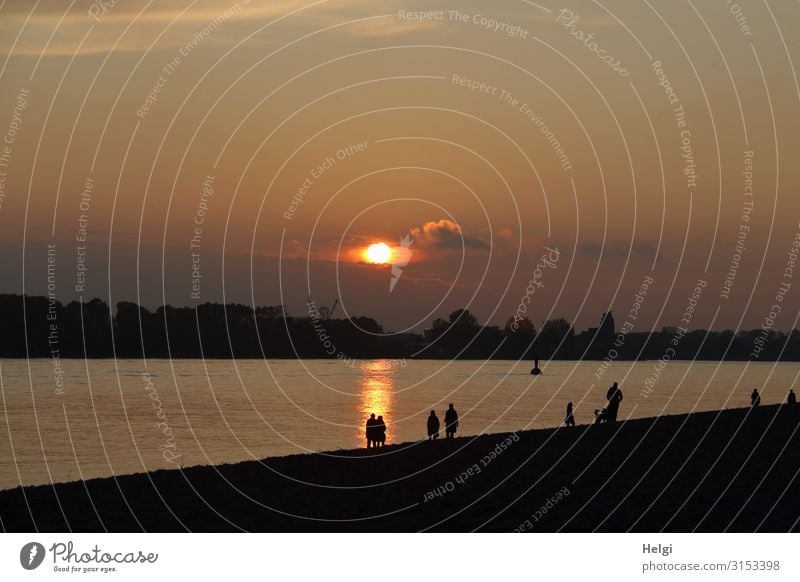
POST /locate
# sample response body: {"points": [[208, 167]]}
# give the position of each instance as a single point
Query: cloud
{"points": [[131, 26], [445, 234], [126, 27]]}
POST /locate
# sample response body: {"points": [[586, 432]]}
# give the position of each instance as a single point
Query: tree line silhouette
{"points": [[43, 327]]}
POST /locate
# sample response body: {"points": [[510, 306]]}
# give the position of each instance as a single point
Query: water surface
{"points": [[125, 416]]}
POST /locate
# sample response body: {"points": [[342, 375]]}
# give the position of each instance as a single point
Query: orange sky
{"points": [[483, 135]]}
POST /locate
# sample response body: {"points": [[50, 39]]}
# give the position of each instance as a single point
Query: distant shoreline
{"points": [[35, 326], [730, 470]]}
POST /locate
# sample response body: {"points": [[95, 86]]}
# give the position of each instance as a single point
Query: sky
{"points": [[520, 157]]}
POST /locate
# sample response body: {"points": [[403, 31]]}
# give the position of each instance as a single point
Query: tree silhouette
{"points": [[43, 327]]}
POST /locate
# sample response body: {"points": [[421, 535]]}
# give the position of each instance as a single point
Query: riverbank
{"points": [[734, 470]]}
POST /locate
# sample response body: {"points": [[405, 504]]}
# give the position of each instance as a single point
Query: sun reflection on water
{"points": [[376, 395]]}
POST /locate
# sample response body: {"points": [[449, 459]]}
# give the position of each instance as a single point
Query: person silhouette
{"points": [[614, 396], [570, 418], [755, 398], [380, 432], [371, 422], [791, 399], [433, 426], [450, 422]]}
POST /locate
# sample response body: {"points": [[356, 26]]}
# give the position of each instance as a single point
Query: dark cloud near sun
{"points": [[445, 234]]}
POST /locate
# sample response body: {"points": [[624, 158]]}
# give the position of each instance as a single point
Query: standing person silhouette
{"points": [[536, 369], [569, 420], [380, 432], [755, 398], [371, 422], [791, 399], [433, 426], [450, 422], [614, 396]]}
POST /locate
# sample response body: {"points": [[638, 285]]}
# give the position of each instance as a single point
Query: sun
{"points": [[379, 253]]}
